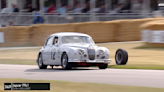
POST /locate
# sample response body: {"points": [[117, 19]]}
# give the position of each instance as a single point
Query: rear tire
{"points": [[40, 63], [103, 66], [64, 61], [121, 57]]}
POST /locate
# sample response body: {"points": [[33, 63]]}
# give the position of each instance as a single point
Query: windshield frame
{"points": [[91, 40]]}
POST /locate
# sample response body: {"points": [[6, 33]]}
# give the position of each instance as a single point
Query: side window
{"points": [[55, 42], [49, 41]]}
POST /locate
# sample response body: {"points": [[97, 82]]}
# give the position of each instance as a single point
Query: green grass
{"points": [[18, 61], [59, 86], [153, 67]]}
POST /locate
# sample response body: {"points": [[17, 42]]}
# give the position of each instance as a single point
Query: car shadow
{"points": [[57, 70]]}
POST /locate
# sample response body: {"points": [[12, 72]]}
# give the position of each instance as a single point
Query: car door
{"points": [[54, 50], [47, 52]]}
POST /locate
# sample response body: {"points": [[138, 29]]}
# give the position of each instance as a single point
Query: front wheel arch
{"points": [[42, 66]]}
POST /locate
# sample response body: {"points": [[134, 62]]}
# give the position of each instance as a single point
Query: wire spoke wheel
{"points": [[64, 61], [40, 63], [65, 64]]}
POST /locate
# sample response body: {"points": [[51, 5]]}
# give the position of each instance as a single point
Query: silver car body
{"points": [[77, 52]]}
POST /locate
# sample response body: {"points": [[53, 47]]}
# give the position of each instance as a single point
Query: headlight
{"points": [[101, 52], [81, 52]]}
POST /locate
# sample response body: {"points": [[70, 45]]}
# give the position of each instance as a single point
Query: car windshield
{"points": [[77, 39]]}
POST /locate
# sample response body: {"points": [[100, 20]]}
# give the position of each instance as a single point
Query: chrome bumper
{"points": [[92, 61]]}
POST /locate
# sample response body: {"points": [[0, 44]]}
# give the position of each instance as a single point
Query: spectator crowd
{"points": [[122, 7], [126, 7]]}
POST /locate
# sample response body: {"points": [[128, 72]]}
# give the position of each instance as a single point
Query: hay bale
{"points": [[121, 32], [110, 31], [21, 33], [40, 32], [7, 37], [128, 30], [15, 36], [99, 31], [155, 26]]}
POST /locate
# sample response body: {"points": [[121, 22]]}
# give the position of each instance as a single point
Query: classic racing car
{"points": [[76, 50]]}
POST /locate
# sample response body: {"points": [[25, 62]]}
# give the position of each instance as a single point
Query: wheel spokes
{"points": [[64, 61], [40, 61]]}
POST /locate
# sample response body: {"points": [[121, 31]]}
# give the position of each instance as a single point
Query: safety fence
{"points": [[106, 31], [27, 19]]}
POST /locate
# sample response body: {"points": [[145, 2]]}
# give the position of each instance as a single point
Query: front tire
{"points": [[64, 61], [103, 66], [40, 63]]}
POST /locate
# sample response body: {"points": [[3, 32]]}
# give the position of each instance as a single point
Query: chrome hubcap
{"points": [[40, 61], [64, 61], [119, 57]]}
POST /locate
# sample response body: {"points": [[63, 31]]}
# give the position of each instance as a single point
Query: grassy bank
{"points": [[153, 67], [139, 57]]}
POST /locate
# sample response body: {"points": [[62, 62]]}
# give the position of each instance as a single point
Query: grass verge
{"points": [[58, 86], [18, 61], [140, 57], [153, 67]]}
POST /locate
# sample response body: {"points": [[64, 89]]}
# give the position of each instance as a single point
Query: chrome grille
{"points": [[91, 54]]}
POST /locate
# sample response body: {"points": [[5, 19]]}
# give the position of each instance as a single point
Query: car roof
{"points": [[61, 34]]}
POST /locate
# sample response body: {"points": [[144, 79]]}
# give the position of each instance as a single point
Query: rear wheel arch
{"points": [[64, 52], [40, 63]]}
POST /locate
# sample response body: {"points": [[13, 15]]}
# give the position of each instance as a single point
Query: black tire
{"points": [[40, 63], [103, 66], [65, 64], [121, 57]]}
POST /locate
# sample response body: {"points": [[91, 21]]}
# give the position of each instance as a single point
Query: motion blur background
{"points": [[26, 12], [105, 21]]}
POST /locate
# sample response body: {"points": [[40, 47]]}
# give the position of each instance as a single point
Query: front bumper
{"points": [[105, 61]]}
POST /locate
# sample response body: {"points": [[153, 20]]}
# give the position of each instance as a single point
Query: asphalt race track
{"points": [[145, 78]]}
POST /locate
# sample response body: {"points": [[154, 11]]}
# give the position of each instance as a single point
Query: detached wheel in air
{"points": [[121, 57]]}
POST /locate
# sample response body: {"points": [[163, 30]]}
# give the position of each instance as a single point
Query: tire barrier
{"points": [[108, 31]]}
